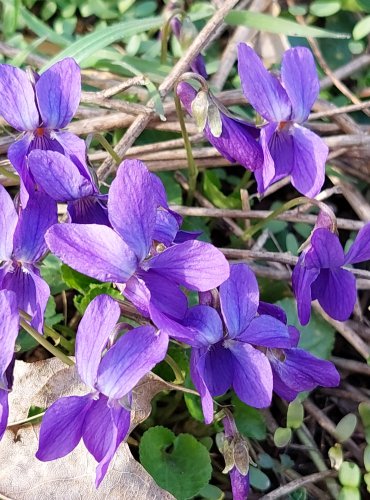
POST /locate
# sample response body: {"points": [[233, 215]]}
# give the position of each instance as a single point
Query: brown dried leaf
{"points": [[23, 477]]}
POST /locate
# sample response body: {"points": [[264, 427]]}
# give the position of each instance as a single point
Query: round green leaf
{"points": [[349, 474], [349, 493], [282, 436], [367, 458], [346, 427], [295, 415], [364, 411], [325, 8], [179, 464], [362, 28], [258, 479]]}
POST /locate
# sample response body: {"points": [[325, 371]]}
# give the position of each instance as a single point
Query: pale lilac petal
{"points": [[93, 332], [9, 325], [58, 93], [266, 331], [272, 310], [302, 279], [206, 322], [335, 289], [261, 88], [360, 249], [94, 250], [4, 411], [17, 103], [58, 176], [197, 370], [218, 369], [310, 155], [35, 219], [239, 297], [165, 294], [130, 358], [8, 223], [194, 264], [300, 80], [301, 371], [252, 380], [62, 426], [132, 206], [326, 250]]}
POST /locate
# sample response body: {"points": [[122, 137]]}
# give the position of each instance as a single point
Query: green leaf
{"points": [[51, 273], [317, 337], [349, 474], [295, 415], [364, 411], [25, 342], [101, 38], [265, 22], [282, 436], [51, 317], [367, 458], [211, 189], [76, 280], [193, 402], [82, 301], [362, 28], [258, 479], [42, 30], [179, 464], [173, 190], [349, 493], [325, 8], [211, 492], [346, 427], [249, 421]]}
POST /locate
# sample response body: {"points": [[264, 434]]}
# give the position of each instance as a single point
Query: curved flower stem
{"points": [[192, 168], [301, 200], [165, 33], [103, 141], [42, 341], [176, 370], [50, 333]]}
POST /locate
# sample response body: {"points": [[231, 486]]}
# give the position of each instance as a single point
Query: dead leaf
{"points": [[23, 477]]}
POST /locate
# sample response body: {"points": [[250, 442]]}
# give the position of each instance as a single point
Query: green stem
{"points": [[42, 341], [103, 141], [192, 168], [50, 333], [27, 420], [176, 370], [166, 30]]}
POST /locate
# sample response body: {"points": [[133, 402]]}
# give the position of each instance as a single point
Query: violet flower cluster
{"points": [[131, 238]]}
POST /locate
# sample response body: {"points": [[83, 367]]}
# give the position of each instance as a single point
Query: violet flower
{"points": [[237, 139], [128, 255], [22, 246], [288, 148], [9, 326], [227, 349], [319, 274], [40, 106], [63, 181], [99, 418]]}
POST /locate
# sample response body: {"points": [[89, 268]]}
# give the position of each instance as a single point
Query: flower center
{"points": [[40, 131]]}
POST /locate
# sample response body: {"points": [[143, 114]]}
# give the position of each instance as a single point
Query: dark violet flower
{"points": [[100, 418], [288, 148], [9, 326], [128, 254], [22, 246], [40, 106], [236, 455], [227, 350], [319, 274], [236, 140], [65, 182]]}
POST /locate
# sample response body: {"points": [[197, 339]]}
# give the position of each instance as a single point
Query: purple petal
{"points": [[301, 371], [58, 176], [300, 80], [266, 175], [207, 324], [239, 484], [131, 357], [75, 149], [42, 294], [360, 249], [239, 297], [132, 206], [197, 370], [8, 223], [194, 264], [62, 426], [281, 147], [34, 220], [272, 310], [294, 334], [335, 289], [252, 381], [261, 88], [89, 210], [98, 429], [96, 326], [17, 154], [310, 154], [9, 325], [218, 369], [182, 236], [94, 250], [198, 65], [166, 227], [302, 279], [136, 291], [326, 250], [58, 93], [267, 332], [4, 411], [17, 103]]}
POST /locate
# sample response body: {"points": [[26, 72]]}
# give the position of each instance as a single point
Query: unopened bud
{"points": [[336, 456], [199, 109], [214, 119]]}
